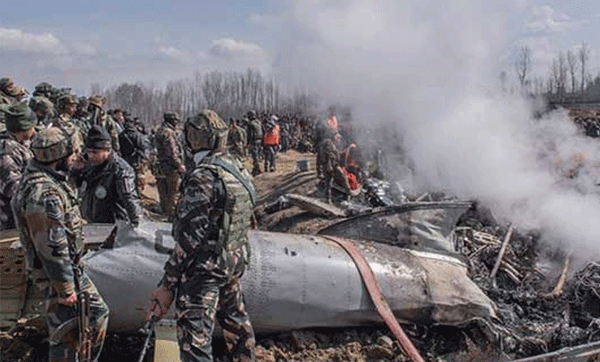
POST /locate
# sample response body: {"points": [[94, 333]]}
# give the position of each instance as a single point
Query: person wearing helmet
{"points": [[46, 210], [213, 216], [98, 116], [10, 92], [14, 156]]}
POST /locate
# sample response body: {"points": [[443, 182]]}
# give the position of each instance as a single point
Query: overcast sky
{"points": [[77, 43]]}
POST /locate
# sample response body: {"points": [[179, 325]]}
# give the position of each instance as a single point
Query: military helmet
{"points": [[42, 89], [52, 144], [41, 103], [65, 100], [206, 131]]}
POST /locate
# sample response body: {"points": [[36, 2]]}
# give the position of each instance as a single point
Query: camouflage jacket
{"points": [[14, 157], [198, 227], [168, 148], [6, 99], [65, 121], [46, 210]]}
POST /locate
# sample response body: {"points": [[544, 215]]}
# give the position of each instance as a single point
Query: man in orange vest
{"points": [[271, 142]]}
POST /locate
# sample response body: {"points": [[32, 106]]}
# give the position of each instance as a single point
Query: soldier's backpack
{"points": [[256, 130]]}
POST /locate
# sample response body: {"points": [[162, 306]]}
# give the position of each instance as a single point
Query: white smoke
{"points": [[429, 68]]}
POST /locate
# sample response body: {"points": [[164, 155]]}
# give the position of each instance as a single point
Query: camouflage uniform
{"points": [[255, 136], [102, 119], [204, 270], [47, 215], [13, 160], [237, 141], [211, 227], [169, 159], [64, 121]]}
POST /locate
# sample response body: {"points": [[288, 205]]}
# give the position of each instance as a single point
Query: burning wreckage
{"points": [[461, 292]]}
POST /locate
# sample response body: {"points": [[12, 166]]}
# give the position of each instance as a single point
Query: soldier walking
{"points": [[50, 228], [211, 227]]}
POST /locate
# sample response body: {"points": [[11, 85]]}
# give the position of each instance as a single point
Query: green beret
{"points": [[19, 117]]}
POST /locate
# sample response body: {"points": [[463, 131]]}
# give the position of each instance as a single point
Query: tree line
{"points": [[231, 94], [568, 79]]}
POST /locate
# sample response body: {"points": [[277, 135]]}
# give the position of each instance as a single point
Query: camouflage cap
{"points": [[19, 117], [97, 100], [51, 144]]}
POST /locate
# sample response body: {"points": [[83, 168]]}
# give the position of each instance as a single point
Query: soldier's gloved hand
{"points": [[160, 301], [181, 169]]}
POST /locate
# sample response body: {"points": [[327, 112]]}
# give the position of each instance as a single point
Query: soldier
{"points": [[97, 116], [237, 140], [255, 137], [10, 92], [14, 156], [170, 162], [81, 113], [43, 89], [134, 147], [66, 108], [50, 228], [107, 183], [44, 110], [211, 230]]}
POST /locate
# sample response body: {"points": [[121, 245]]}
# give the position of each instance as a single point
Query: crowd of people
{"points": [[66, 160]]}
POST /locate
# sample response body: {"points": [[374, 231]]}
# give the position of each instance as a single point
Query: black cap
{"points": [[98, 138]]}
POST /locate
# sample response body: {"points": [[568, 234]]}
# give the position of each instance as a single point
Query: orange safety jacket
{"points": [[271, 138]]}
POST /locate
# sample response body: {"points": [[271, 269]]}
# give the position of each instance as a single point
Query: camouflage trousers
{"points": [[168, 186], [256, 153], [62, 321], [270, 152], [213, 299]]}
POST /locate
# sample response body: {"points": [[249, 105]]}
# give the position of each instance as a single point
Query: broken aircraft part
{"points": [[422, 226], [315, 206], [292, 282]]}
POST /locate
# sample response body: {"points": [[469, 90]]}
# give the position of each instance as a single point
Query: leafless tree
{"points": [[584, 55], [523, 63], [572, 65]]}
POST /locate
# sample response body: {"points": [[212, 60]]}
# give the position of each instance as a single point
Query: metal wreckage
{"points": [[408, 264]]}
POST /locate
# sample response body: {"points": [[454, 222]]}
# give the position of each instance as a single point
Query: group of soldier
{"points": [[61, 165], [60, 171]]}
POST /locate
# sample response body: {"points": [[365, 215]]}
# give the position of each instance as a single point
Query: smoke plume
{"points": [[429, 71]]}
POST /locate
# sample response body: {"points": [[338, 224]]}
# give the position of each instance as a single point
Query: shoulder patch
{"points": [[52, 205]]}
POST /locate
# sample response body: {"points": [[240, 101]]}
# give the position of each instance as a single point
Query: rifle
{"points": [[148, 330], [84, 350]]}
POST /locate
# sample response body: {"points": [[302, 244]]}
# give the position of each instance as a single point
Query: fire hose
{"points": [[381, 305]]}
